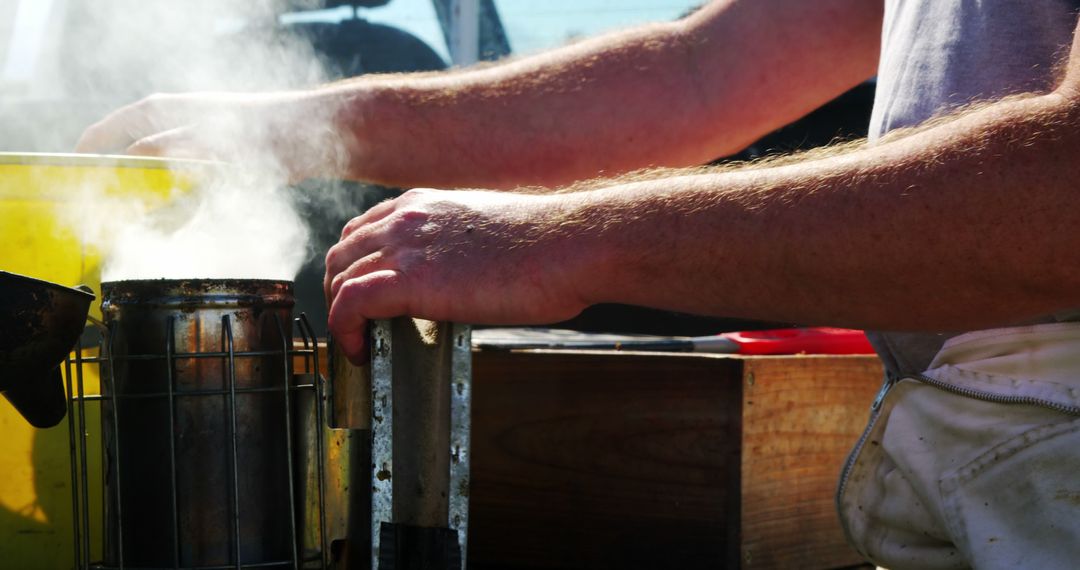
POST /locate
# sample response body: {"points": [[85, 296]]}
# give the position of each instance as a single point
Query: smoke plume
{"points": [[241, 221]]}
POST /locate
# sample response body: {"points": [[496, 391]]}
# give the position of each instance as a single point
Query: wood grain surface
{"points": [[604, 460], [801, 417]]}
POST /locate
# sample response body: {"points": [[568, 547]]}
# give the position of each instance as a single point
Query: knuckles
{"points": [[409, 218]]}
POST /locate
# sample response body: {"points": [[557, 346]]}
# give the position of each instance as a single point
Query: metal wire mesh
{"points": [[98, 459]]}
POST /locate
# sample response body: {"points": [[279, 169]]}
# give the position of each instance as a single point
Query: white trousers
{"points": [[976, 463]]}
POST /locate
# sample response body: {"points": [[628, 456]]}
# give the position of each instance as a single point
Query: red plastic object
{"points": [[813, 340]]}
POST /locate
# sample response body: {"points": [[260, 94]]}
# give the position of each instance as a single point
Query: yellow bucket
{"points": [[43, 198]]}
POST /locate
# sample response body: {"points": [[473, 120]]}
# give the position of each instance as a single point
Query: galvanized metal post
{"points": [[421, 396], [382, 432], [460, 433], [464, 41]]}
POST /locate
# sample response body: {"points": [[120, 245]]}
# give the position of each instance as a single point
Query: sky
{"points": [[533, 26], [530, 25]]}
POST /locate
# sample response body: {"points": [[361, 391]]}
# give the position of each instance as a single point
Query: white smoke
{"points": [[239, 223], [226, 227]]}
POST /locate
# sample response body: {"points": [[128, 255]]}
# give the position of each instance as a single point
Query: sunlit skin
{"points": [[671, 94], [933, 231]]}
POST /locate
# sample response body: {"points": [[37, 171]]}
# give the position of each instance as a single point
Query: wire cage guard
{"points": [[203, 436], [211, 451]]}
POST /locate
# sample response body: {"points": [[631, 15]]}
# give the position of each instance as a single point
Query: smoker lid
{"points": [[197, 292]]}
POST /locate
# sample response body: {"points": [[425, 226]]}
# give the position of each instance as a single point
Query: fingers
{"points": [[107, 135], [362, 280], [175, 143], [152, 116], [361, 237], [362, 265], [347, 257], [122, 127], [378, 295]]}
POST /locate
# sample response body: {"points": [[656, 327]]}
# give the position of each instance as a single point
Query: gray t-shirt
{"points": [[937, 55]]}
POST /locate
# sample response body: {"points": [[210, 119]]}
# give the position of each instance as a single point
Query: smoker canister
{"points": [[194, 420]]}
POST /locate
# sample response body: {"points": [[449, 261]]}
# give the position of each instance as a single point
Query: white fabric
{"points": [[945, 480]]}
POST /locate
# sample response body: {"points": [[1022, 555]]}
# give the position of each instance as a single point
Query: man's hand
{"points": [[467, 256], [288, 131]]}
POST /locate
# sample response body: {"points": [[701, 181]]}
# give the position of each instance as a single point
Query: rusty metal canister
{"points": [[196, 424]]}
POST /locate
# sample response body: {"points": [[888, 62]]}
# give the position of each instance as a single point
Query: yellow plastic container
{"points": [[44, 202]]}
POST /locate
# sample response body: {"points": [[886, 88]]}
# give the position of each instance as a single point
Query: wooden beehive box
{"points": [[647, 460]]}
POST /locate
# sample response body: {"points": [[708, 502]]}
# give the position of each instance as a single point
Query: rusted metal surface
{"points": [[350, 393], [346, 455], [41, 322], [192, 294], [198, 465]]}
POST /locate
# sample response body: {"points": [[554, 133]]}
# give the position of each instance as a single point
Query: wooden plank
{"points": [[801, 416], [604, 460]]}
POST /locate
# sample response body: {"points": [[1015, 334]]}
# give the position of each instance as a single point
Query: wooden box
{"points": [[650, 460]]}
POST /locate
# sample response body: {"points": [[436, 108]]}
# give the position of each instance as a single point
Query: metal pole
{"points": [[114, 390], [226, 324], [286, 355], [460, 434], [464, 41], [320, 446], [170, 362], [76, 486], [382, 431]]}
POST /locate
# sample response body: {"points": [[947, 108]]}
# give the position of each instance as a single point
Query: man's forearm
{"points": [[674, 94], [968, 224]]}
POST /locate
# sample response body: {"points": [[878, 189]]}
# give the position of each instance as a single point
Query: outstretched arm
{"points": [[672, 94], [968, 224]]}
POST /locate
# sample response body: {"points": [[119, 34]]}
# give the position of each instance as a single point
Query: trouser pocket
{"points": [[1017, 504], [882, 506]]}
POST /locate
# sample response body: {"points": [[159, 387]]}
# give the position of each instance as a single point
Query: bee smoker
{"points": [[222, 446]]}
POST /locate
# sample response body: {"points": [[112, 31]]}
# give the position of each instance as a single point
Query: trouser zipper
{"points": [[997, 398], [875, 409]]}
